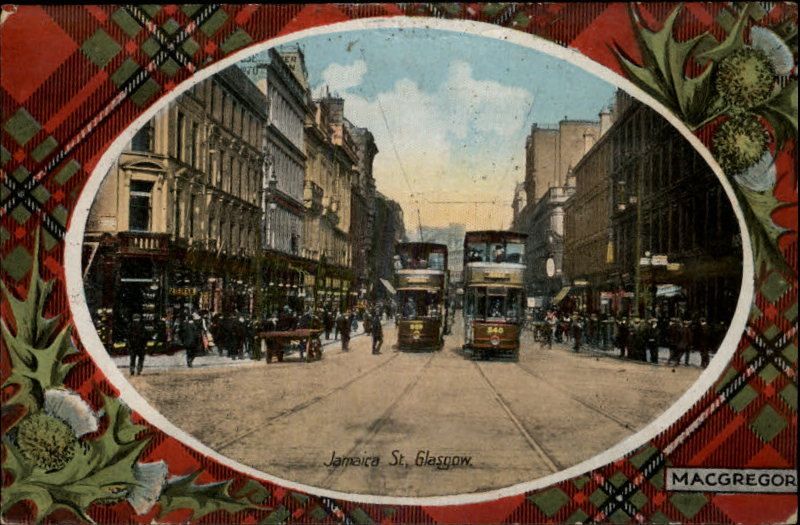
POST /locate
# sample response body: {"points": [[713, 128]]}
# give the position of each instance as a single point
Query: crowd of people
{"points": [[234, 335], [634, 338]]}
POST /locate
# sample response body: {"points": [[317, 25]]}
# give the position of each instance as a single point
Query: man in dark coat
{"points": [[377, 332], [343, 327], [327, 321], [136, 342], [191, 340]]}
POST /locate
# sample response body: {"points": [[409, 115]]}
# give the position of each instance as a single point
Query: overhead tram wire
{"points": [[394, 146]]}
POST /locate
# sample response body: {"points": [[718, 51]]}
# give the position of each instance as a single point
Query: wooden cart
{"points": [[279, 343]]}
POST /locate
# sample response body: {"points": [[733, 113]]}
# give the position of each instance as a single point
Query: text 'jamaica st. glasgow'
{"points": [[423, 458], [732, 480]]}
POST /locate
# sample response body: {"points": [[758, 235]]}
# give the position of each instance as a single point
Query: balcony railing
{"points": [[131, 242]]}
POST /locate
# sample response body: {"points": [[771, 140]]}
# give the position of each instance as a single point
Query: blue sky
{"points": [[451, 110]]}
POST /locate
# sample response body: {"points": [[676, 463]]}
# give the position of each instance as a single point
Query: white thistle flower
{"points": [[150, 478], [760, 176], [774, 47], [69, 407]]}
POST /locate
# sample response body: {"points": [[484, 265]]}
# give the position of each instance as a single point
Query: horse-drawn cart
{"points": [[305, 340]]}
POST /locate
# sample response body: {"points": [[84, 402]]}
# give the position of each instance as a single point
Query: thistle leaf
{"points": [[662, 73], [781, 113], [757, 208], [36, 354], [183, 493], [733, 42]]}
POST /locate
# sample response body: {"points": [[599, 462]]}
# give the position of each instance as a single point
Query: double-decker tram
{"points": [[421, 281], [494, 292]]}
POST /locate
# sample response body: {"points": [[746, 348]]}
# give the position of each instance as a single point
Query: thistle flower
{"points": [[746, 78], [150, 478], [72, 409], [774, 47], [739, 143], [760, 176], [49, 438], [46, 441]]}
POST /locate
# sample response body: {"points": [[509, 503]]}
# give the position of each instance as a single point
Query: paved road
{"points": [[515, 421]]}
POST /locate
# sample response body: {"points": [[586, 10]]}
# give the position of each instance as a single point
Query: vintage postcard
{"points": [[399, 263]]}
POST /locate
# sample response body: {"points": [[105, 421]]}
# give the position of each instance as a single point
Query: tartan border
{"points": [[21, 193]]}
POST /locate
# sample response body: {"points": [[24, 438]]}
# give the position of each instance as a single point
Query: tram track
{"points": [[303, 405], [377, 424], [550, 462], [590, 406]]}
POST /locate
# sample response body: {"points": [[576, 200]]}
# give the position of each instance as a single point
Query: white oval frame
{"points": [[88, 334]]}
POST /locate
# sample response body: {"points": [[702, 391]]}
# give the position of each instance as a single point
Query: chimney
{"points": [[605, 121]]}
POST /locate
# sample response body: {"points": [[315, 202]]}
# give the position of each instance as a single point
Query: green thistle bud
{"points": [[46, 441], [739, 143], [746, 78]]}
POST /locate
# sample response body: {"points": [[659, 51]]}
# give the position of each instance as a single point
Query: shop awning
{"points": [[389, 286], [561, 294]]}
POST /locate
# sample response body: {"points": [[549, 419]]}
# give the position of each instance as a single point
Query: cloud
{"points": [[339, 78], [460, 140]]}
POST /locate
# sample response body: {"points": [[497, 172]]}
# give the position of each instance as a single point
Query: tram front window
{"points": [[514, 252], [494, 304], [476, 252], [416, 304]]}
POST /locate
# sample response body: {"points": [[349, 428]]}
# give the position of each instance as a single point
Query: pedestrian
{"points": [[577, 333], [190, 335], [651, 339], [377, 332], [327, 321], [136, 342], [623, 332], [343, 326], [702, 341], [550, 328]]}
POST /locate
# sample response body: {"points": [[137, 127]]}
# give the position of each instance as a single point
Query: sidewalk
{"points": [[213, 359], [663, 353]]}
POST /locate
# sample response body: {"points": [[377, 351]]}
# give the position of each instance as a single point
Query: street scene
{"points": [[510, 418], [410, 263]]}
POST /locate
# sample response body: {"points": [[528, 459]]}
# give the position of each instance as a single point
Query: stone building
{"points": [[389, 229], [676, 241], [344, 162], [588, 252], [175, 223], [543, 222], [362, 207], [551, 152]]}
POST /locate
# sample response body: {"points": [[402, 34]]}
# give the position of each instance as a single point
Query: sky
{"points": [[450, 113]]}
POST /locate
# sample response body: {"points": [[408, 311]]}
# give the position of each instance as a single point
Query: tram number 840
{"points": [[495, 330]]}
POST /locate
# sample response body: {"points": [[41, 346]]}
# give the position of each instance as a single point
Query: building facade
{"points": [[362, 207], [389, 229], [543, 222], [588, 251], [551, 152], [176, 221], [677, 245]]}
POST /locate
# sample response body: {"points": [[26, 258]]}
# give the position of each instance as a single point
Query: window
{"points": [[179, 153], [193, 145], [143, 140], [139, 207], [177, 208], [191, 214]]}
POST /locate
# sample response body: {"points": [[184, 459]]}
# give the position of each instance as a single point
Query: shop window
{"points": [[139, 207]]}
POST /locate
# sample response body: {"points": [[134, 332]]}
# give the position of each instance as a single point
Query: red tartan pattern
{"points": [[77, 103]]}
